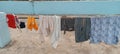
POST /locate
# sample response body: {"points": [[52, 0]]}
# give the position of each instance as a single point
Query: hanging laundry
{"points": [[16, 20], [50, 25], [67, 24], [56, 32], [11, 20], [34, 23], [45, 26], [82, 29], [31, 23], [22, 25], [105, 29]]}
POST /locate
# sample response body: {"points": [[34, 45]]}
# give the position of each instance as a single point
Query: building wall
{"points": [[26, 7]]}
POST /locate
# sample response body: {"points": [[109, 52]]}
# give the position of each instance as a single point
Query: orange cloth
{"points": [[31, 23], [35, 26]]}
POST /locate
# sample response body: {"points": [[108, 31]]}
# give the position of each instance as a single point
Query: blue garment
{"points": [[105, 29]]}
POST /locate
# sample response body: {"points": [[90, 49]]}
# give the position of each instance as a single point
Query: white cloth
{"points": [[56, 32], [50, 25]]}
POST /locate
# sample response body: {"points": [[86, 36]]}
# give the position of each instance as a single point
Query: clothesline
{"points": [[24, 16], [97, 29]]}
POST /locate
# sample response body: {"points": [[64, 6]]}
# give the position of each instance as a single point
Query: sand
{"points": [[30, 42]]}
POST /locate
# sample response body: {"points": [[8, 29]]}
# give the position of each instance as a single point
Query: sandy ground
{"points": [[29, 42]]}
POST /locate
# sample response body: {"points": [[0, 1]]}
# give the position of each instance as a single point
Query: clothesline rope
{"points": [[24, 16]]}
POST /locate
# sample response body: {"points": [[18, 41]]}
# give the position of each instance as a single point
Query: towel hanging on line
{"points": [[50, 25]]}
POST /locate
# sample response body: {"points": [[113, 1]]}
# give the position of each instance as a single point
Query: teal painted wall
{"points": [[16, 7], [26, 7]]}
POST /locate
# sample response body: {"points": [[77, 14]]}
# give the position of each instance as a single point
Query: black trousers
{"points": [[67, 24]]}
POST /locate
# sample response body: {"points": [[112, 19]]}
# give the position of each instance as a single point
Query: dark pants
{"points": [[82, 29], [67, 24]]}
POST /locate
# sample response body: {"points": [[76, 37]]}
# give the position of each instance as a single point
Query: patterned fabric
{"points": [[82, 29], [105, 29]]}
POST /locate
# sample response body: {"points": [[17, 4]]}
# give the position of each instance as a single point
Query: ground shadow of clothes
{"points": [[67, 24], [82, 29]]}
